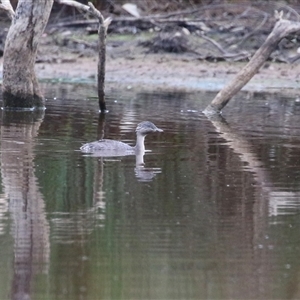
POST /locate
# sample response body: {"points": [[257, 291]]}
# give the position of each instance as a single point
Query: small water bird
{"points": [[112, 147]]}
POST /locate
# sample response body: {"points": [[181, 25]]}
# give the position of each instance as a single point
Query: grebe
{"points": [[119, 148]]}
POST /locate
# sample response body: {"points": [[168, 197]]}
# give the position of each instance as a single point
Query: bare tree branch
{"points": [[75, 4], [226, 54], [281, 29], [250, 34], [90, 8], [6, 6], [103, 24]]}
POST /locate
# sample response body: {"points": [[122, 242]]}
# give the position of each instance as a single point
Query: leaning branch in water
{"points": [[102, 30], [281, 29]]}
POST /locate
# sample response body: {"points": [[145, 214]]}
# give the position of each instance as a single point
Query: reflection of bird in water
{"points": [[112, 147], [145, 174]]}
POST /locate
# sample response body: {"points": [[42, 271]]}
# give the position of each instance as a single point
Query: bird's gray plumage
{"points": [[119, 148]]}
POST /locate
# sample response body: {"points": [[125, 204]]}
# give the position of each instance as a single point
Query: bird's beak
{"points": [[159, 130]]}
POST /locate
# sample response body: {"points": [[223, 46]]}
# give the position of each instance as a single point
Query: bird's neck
{"points": [[140, 143]]}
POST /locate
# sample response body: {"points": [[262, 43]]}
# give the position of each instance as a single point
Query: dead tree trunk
{"points": [[103, 25], [101, 65], [281, 29], [20, 85]]}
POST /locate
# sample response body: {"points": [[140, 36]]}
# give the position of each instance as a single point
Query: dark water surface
{"points": [[213, 214]]}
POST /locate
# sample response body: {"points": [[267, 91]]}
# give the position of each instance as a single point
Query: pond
{"points": [[214, 213]]}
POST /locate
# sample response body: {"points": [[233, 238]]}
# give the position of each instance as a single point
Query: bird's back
{"points": [[106, 145]]}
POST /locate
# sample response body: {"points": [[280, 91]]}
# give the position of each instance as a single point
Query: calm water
{"points": [[214, 213]]}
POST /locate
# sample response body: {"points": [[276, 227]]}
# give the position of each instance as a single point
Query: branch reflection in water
{"points": [[30, 227], [275, 198]]}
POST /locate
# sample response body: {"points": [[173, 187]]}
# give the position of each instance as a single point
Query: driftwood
{"points": [[225, 37], [282, 29], [168, 30], [212, 35], [102, 29]]}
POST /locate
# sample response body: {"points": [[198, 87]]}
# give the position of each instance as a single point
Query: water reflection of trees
{"points": [[206, 218], [30, 228]]}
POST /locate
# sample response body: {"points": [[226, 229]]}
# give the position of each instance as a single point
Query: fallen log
{"points": [[282, 29]]}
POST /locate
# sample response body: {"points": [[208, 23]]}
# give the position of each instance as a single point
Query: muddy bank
{"points": [[170, 71], [71, 55]]}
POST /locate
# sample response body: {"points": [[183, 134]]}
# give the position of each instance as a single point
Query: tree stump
{"points": [[20, 86]]}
